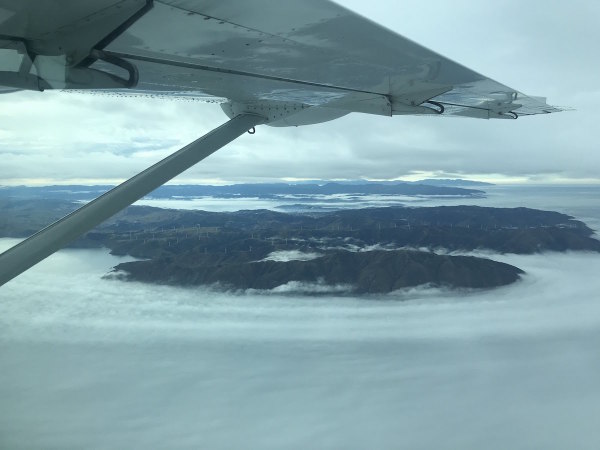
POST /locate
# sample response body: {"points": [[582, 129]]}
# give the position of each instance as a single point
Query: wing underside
{"points": [[305, 55]]}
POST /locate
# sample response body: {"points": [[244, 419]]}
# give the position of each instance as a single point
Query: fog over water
{"points": [[87, 362]]}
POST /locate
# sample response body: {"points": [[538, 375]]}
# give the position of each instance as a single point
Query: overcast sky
{"points": [[540, 47]]}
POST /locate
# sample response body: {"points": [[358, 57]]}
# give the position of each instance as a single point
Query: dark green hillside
{"points": [[199, 247]]}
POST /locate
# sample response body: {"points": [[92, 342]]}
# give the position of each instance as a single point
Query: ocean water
{"points": [[92, 363]]}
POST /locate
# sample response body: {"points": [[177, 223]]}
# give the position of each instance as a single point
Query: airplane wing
{"points": [[275, 62], [310, 60]]}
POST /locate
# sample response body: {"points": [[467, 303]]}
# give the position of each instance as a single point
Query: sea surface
{"points": [[87, 362]]}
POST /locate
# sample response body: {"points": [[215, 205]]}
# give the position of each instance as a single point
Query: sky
{"points": [[544, 48]]}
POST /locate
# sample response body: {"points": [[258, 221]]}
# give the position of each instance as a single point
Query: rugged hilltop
{"points": [[361, 272]]}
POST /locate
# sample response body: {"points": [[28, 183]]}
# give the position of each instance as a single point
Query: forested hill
{"points": [[371, 250]]}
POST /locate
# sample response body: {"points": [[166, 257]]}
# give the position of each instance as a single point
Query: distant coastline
{"points": [[256, 190]]}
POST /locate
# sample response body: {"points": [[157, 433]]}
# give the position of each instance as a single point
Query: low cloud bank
{"points": [[67, 290], [92, 363]]}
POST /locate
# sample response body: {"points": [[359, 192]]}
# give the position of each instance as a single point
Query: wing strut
{"points": [[35, 248]]}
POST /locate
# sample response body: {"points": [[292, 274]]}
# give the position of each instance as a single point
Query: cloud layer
{"points": [[106, 364]]}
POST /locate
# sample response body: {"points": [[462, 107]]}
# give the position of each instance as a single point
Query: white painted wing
{"points": [[313, 56]]}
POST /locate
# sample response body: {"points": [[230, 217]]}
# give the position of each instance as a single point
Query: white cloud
{"points": [[184, 368], [291, 255]]}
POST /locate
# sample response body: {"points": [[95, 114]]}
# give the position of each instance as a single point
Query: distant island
{"points": [[373, 250], [254, 190]]}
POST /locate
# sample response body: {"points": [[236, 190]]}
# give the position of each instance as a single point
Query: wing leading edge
{"points": [[264, 53]]}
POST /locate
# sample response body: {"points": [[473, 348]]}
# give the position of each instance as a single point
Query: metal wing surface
{"points": [[312, 58]]}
